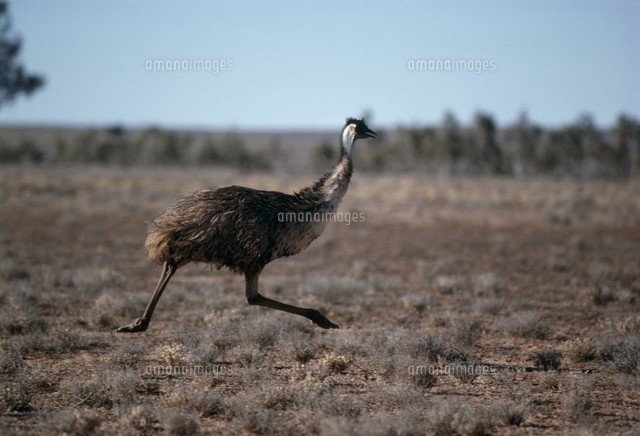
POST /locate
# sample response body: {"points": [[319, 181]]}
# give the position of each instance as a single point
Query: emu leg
{"points": [[141, 324], [254, 298]]}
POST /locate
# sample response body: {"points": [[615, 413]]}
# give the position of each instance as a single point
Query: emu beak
{"points": [[369, 133]]}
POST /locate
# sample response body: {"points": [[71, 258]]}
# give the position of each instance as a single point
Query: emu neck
{"points": [[336, 183], [333, 185]]}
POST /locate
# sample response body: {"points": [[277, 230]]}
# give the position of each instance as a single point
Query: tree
{"points": [[589, 153], [622, 151], [451, 138], [491, 153], [593, 143], [526, 139], [170, 151], [549, 154], [14, 80], [635, 152]]}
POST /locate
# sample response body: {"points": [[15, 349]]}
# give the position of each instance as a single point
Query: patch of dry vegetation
{"points": [[443, 276]]}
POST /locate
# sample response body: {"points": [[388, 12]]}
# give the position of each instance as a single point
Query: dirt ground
{"points": [[467, 306]]}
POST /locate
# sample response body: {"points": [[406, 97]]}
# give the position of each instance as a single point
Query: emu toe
{"points": [[320, 320], [139, 325]]}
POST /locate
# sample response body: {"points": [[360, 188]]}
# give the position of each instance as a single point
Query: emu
{"points": [[243, 229]]}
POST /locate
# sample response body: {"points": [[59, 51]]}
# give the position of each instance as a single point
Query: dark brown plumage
{"points": [[244, 229], [230, 226]]}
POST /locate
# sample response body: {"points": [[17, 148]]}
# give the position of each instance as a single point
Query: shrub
{"points": [[57, 340], [547, 360], [14, 398], [466, 372], [10, 361], [624, 354], [208, 404], [173, 355], [578, 402], [92, 392], [255, 420], [181, 425], [467, 331], [336, 364], [140, 418], [581, 350], [448, 418], [529, 326], [303, 353], [430, 347], [423, 379], [75, 422], [512, 413]]}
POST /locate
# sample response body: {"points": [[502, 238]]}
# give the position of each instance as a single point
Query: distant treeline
{"points": [[117, 146], [524, 148]]}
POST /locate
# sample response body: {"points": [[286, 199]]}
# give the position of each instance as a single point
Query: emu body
{"points": [[243, 229]]}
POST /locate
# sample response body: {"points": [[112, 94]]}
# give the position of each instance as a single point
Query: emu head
{"points": [[360, 128], [353, 130]]}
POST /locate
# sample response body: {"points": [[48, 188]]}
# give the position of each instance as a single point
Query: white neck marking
{"points": [[349, 139]]}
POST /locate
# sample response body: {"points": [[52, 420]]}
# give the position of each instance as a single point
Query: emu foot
{"points": [[320, 320], [139, 325]]}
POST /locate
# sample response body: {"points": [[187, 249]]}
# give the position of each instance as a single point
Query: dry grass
{"points": [[444, 274]]}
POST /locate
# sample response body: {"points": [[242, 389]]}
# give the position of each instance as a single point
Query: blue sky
{"points": [[312, 63]]}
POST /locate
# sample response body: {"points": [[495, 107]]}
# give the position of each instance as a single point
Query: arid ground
{"points": [[466, 305]]}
